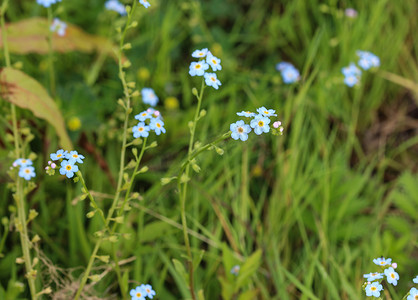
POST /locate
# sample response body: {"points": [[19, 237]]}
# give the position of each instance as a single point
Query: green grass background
{"points": [[338, 189]]}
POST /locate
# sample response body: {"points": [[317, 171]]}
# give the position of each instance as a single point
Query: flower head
{"points": [[145, 3], [59, 154], [198, 68], [212, 80], [157, 125], [75, 157], [116, 6], [266, 112], [235, 270], [367, 60], [260, 124], [373, 276], [27, 172], [149, 292], [413, 294], [415, 280], [149, 97], [200, 53], [247, 114], [381, 261], [391, 276], [58, 26], [351, 70], [68, 168], [351, 13], [47, 3], [283, 65], [277, 124], [290, 75], [214, 62], [138, 293], [373, 289], [240, 130], [351, 80], [142, 116], [141, 130], [23, 162]]}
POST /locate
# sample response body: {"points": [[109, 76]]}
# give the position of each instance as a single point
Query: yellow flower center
{"points": [[392, 275], [266, 112], [214, 61], [158, 125], [373, 288], [23, 161], [198, 66], [148, 291], [75, 155], [213, 79], [144, 114], [416, 297], [68, 168], [138, 295], [141, 129], [240, 129], [59, 155], [261, 123], [27, 171]]}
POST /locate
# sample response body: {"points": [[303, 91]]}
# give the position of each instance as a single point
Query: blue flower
{"points": [[59, 154], [392, 276], [47, 3], [240, 130], [351, 70], [415, 280], [260, 124], [247, 114], [149, 97], [266, 112], [381, 261], [373, 276], [212, 80], [198, 68], [141, 130], [138, 293], [200, 53], [142, 116], [235, 270], [367, 60], [157, 125], [23, 162], [413, 294], [351, 80], [213, 61], [116, 6], [145, 3], [149, 292], [68, 168], [27, 172], [373, 289], [290, 75], [74, 157], [58, 26], [283, 65]]}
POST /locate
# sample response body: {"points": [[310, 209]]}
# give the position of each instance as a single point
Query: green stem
{"points": [[4, 33], [183, 194], [51, 55]]}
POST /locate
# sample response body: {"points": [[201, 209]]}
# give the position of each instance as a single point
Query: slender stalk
{"points": [[183, 194], [121, 168], [4, 33], [51, 55]]}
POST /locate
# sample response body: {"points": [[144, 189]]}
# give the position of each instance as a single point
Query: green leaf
{"points": [[25, 92], [31, 36], [248, 295], [197, 259], [181, 270], [248, 269]]}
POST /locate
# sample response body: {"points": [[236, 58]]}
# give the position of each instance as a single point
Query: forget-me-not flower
{"points": [[198, 68], [240, 130], [59, 154], [75, 157], [47, 3], [68, 168], [157, 125], [260, 124], [373, 276], [266, 112], [351, 70], [149, 97], [367, 60], [138, 293], [413, 294], [247, 114], [289, 73], [23, 162], [142, 116], [141, 130], [283, 65], [212, 80], [58, 26], [381, 261], [392, 276], [373, 289], [415, 280], [27, 172], [116, 6], [145, 3], [214, 62], [200, 53], [149, 292], [351, 80]]}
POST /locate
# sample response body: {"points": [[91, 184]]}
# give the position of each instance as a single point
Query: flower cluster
{"points": [[116, 6], [259, 123], [149, 119], [47, 3], [372, 285], [58, 26], [352, 74], [289, 73], [68, 162], [199, 68], [145, 3], [26, 170], [142, 291], [149, 97]]}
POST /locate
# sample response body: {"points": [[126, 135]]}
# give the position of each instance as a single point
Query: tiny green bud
{"points": [[35, 261], [184, 178], [94, 278], [113, 238], [194, 91], [91, 214], [153, 144], [220, 151], [195, 167], [134, 24], [202, 113], [127, 46], [128, 9], [143, 170], [32, 215], [134, 151], [135, 93], [20, 260], [118, 220], [127, 64], [167, 180], [103, 258], [35, 239]]}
